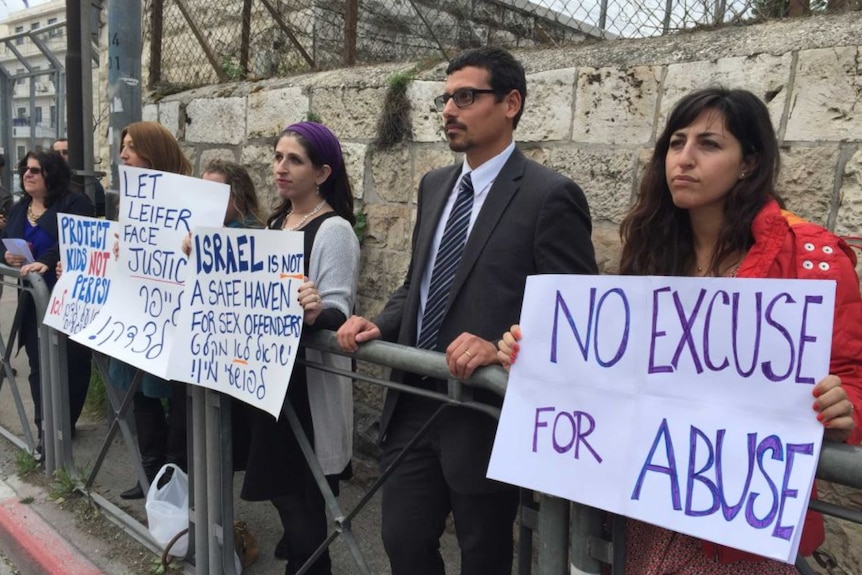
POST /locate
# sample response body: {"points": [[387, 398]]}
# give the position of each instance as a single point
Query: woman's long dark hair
{"points": [[335, 190], [242, 190], [656, 235], [55, 170]]}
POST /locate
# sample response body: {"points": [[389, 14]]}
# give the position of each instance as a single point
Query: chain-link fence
{"points": [[195, 42]]}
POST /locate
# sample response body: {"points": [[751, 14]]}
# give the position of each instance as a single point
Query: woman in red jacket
{"points": [[708, 207]]}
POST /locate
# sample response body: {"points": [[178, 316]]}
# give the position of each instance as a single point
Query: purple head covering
{"points": [[322, 140]]}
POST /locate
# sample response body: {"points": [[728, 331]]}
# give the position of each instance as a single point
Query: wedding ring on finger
{"points": [[468, 354]]}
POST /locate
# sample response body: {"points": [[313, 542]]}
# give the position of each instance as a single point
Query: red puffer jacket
{"points": [[786, 246]]}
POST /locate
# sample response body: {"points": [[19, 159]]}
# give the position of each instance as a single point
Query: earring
{"points": [[741, 175], [317, 190]]}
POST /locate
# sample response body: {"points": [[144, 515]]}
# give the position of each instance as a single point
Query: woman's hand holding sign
{"points": [[508, 347], [309, 299], [834, 409]]}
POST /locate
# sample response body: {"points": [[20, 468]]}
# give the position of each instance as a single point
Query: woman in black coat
{"points": [[45, 179]]}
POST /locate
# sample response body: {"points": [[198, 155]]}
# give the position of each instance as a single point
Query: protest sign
{"points": [[139, 318], [85, 251], [682, 402], [241, 314]]}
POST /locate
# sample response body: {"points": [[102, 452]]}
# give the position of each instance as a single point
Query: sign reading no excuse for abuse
{"points": [[681, 402]]}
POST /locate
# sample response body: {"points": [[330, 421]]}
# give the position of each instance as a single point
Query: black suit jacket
{"points": [[534, 221]]}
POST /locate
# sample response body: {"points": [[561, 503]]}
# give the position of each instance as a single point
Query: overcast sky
{"points": [[7, 6]]}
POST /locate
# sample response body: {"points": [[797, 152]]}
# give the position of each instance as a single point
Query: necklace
{"points": [[304, 219], [32, 216], [730, 274]]}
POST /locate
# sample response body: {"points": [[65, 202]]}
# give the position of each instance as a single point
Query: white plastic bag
{"points": [[168, 510]]}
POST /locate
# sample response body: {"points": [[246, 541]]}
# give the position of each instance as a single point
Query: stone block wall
{"points": [[592, 112]]}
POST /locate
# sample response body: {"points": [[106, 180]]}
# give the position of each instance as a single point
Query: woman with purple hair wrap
{"points": [[314, 197]]}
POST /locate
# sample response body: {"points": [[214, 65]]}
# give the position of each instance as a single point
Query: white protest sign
{"points": [[242, 315], [139, 318], [682, 402], [85, 251]]}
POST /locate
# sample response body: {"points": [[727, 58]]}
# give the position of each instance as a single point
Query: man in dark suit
{"points": [[482, 227]]}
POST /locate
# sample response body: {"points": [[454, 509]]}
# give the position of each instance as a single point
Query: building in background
{"points": [[37, 98]]}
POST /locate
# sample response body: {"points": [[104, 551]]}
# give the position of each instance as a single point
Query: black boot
{"points": [[304, 522], [151, 465]]}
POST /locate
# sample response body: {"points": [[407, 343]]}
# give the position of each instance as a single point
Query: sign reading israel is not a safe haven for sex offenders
{"points": [[79, 294], [241, 316], [139, 318], [682, 402]]}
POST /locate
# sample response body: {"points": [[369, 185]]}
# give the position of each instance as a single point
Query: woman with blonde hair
{"points": [[151, 145], [161, 434]]}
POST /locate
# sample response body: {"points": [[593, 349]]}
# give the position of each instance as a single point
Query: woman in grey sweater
{"points": [[315, 198]]}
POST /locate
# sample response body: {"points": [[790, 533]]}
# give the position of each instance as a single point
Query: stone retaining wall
{"points": [[592, 112]]}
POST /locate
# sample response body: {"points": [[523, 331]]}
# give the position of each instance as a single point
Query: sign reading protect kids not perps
{"points": [[681, 402], [157, 209], [243, 318], [82, 290]]}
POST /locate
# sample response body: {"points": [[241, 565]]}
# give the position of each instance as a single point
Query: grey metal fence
{"points": [[572, 538]]}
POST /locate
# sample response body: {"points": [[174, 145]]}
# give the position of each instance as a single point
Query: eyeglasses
{"points": [[462, 98], [35, 170]]}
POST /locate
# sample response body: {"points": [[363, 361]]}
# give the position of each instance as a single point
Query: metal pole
{"points": [[668, 9], [553, 535], [60, 91], [603, 15], [222, 404], [7, 87], [198, 522], [586, 525], [74, 88], [351, 20], [214, 527], [32, 114], [124, 73], [85, 138]]}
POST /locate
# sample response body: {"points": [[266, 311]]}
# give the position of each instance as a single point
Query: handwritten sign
{"points": [[244, 320], [80, 293], [681, 402], [139, 318]]}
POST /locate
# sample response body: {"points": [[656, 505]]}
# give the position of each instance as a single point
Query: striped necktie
{"points": [[446, 264]]}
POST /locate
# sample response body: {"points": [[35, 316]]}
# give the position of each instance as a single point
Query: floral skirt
{"points": [[652, 550]]}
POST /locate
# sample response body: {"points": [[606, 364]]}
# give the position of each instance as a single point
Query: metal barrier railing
{"points": [[572, 539], [33, 284]]}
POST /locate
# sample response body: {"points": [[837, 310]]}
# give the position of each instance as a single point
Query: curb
{"points": [[33, 545]]}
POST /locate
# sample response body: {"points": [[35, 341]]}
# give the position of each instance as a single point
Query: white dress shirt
{"points": [[483, 178]]}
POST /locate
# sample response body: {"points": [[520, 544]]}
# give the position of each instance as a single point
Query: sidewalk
{"points": [[39, 537]]}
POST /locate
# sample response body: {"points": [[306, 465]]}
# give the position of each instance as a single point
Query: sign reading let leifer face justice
{"points": [[681, 402]]}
